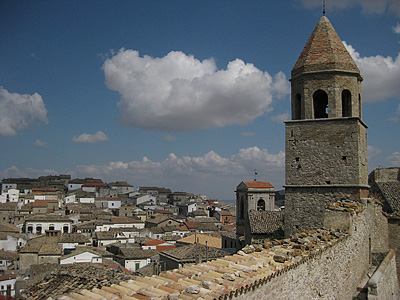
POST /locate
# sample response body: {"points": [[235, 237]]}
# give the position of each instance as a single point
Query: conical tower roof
{"points": [[323, 51]]}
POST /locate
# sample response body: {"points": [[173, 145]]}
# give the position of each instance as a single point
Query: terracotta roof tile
{"points": [[265, 222], [258, 184], [324, 50]]}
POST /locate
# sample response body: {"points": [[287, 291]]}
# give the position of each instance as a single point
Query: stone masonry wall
{"points": [[326, 152], [394, 241], [333, 83], [383, 283], [333, 274], [305, 207]]}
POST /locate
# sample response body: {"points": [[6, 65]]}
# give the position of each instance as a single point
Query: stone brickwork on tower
{"points": [[326, 140]]}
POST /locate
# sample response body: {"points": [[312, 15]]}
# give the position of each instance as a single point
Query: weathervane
{"points": [[323, 7]]}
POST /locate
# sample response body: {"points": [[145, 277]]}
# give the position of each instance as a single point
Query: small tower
{"points": [[252, 196], [326, 140]]}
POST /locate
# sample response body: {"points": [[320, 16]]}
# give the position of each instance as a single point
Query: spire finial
{"points": [[255, 175], [323, 7]]}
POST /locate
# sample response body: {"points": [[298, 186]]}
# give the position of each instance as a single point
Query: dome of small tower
{"points": [[324, 51]]}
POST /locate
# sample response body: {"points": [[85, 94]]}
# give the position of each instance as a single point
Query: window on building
{"points": [[260, 205], [346, 103], [320, 102], [39, 229], [137, 266]]}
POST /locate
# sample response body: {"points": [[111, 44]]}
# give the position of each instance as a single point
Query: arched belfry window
{"points": [[297, 107], [346, 103], [320, 101], [260, 205]]}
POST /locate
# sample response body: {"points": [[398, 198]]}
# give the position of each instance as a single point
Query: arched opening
{"points": [[65, 229], [39, 229], [260, 205], [346, 103], [320, 101], [241, 208], [297, 107]]}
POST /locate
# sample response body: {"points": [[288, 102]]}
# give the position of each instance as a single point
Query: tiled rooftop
{"points": [[391, 193], [265, 222], [77, 277], [225, 276], [258, 184], [324, 50]]}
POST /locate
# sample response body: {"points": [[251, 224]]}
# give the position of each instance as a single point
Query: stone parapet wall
{"points": [[334, 273], [384, 283]]}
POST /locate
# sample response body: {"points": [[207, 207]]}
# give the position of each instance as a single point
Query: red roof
{"points": [[43, 203], [153, 242], [258, 184], [191, 225], [163, 248], [7, 277], [182, 227]]}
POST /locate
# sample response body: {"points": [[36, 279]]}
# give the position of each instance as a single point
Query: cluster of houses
{"points": [[56, 220]]}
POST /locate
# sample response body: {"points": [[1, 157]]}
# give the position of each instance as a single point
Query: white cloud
{"points": [[394, 159], [280, 118], [15, 172], [178, 92], [396, 29], [20, 111], [368, 6], [381, 75], [211, 173], [39, 143], [99, 136]]}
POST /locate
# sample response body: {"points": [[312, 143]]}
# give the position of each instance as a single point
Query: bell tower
{"points": [[326, 140]]}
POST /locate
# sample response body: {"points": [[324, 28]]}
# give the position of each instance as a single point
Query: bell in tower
{"points": [[326, 140]]}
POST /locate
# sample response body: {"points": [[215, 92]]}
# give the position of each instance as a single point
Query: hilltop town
{"points": [[55, 221]]}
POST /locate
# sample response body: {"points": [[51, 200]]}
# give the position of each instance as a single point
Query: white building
{"points": [[106, 202], [87, 256], [7, 285], [11, 241], [40, 223], [9, 195]]}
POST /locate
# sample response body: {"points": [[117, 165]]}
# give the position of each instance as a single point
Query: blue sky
{"points": [[188, 95]]}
